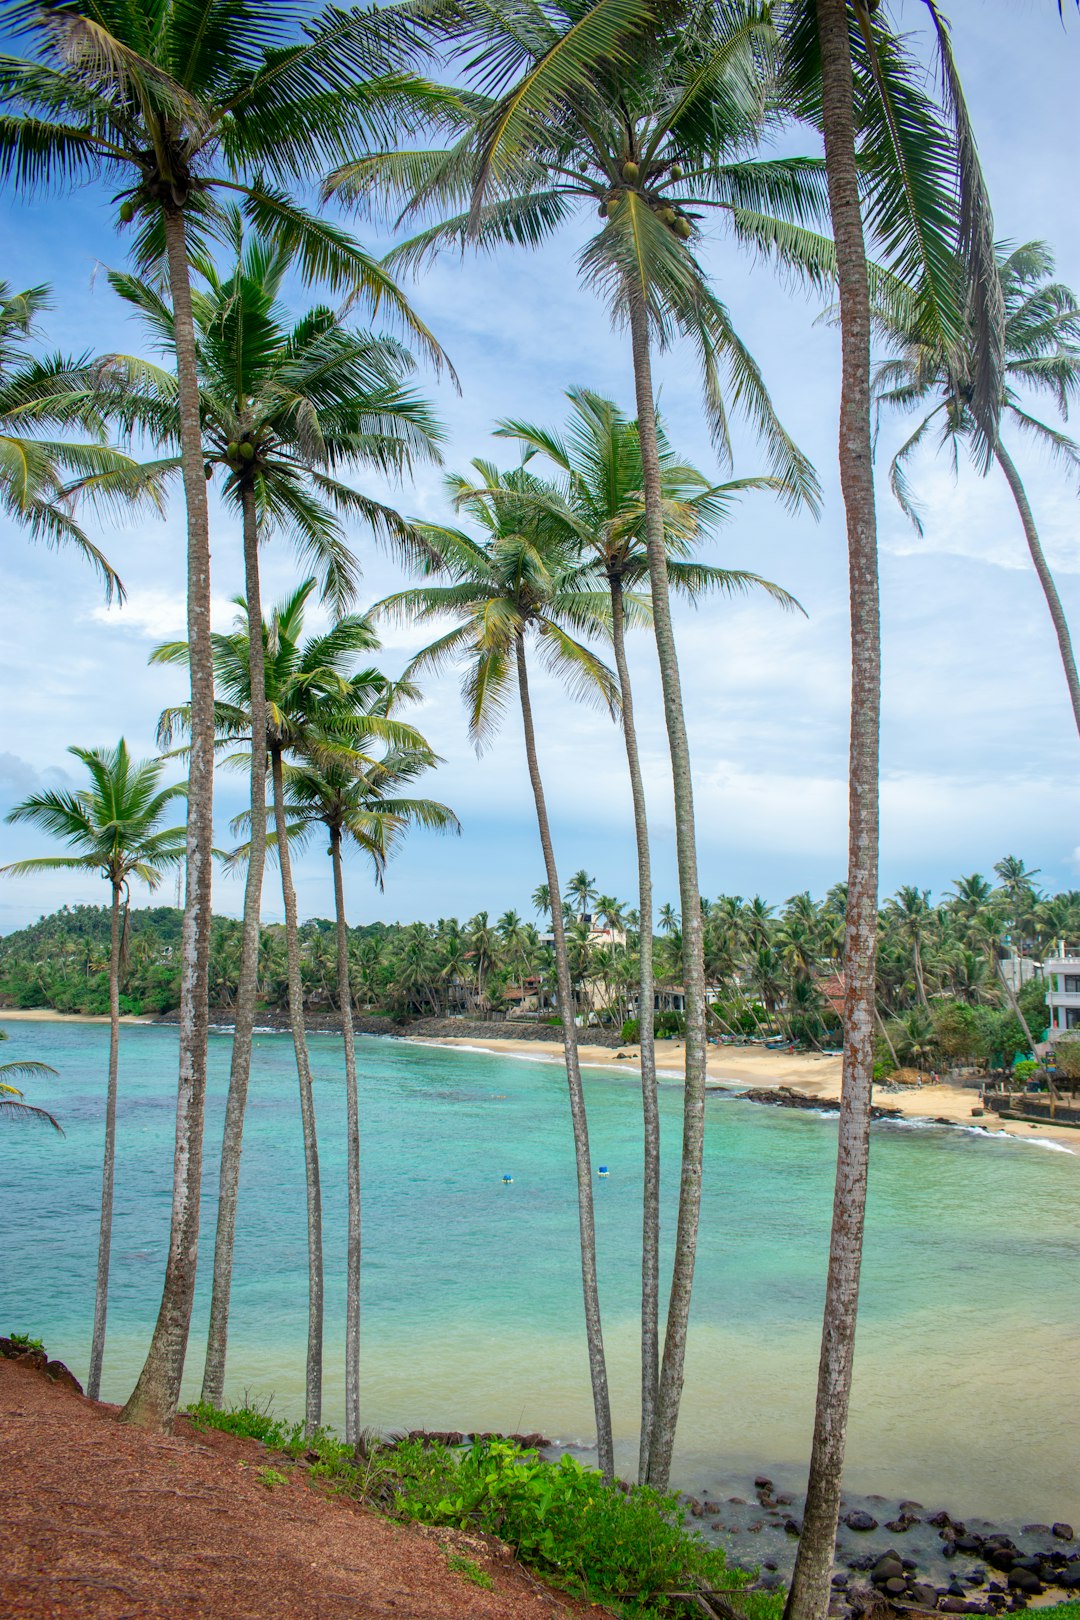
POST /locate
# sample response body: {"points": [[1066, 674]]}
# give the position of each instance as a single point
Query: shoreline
{"points": [[800, 1079], [48, 1015], [797, 1079]]}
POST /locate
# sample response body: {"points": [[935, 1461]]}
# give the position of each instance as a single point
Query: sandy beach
{"points": [[809, 1073], [46, 1015]]}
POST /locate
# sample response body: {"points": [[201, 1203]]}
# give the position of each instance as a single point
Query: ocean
{"points": [[966, 1364]]}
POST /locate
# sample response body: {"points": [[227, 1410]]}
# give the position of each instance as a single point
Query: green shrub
{"points": [[592, 1538], [23, 1341], [249, 1422], [631, 1031]]}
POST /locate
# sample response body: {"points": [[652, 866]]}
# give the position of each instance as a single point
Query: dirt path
{"points": [[98, 1519]]}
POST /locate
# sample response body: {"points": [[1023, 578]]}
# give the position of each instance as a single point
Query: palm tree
{"points": [[285, 406], [41, 478], [599, 455], [513, 587], [581, 891], [911, 909], [175, 104], [13, 1105], [889, 153], [114, 827], [300, 678], [1041, 352], [637, 113], [365, 808]]}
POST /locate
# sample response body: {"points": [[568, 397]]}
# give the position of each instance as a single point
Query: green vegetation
{"points": [[271, 1477], [23, 1341], [13, 1104], [628, 1548], [769, 967], [248, 1422], [458, 1564]]}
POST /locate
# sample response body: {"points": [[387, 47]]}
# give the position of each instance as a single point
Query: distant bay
{"points": [[967, 1359]]}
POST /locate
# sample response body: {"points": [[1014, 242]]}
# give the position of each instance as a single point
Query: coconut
{"points": [[683, 228], [208, 470], [603, 209], [630, 172], [676, 171], [127, 211], [232, 449], [668, 215], [247, 452]]}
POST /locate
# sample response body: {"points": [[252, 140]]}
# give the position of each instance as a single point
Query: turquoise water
{"points": [[967, 1364]]}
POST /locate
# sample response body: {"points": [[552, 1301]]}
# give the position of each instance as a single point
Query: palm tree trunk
{"points": [[108, 1169], [885, 1035], [593, 1329], [650, 1207], [352, 1131], [247, 990], [1046, 578], [920, 982], [808, 1597], [154, 1399], [669, 1390], [313, 1386]]}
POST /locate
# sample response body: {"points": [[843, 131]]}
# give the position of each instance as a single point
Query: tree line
{"points": [[769, 969], [209, 123]]}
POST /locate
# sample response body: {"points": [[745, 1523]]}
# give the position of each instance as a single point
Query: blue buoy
{"points": [[602, 1170], [507, 1180]]}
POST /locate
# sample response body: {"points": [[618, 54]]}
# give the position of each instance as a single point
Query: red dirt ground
{"points": [[101, 1520]]}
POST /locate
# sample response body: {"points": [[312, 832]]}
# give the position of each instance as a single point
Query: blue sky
{"points": [[978, 745]]}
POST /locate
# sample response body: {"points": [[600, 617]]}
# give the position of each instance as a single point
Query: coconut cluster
{"points": [[669, 215]]}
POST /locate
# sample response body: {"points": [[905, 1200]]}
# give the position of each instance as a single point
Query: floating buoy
{"points": [[602, 1170], [507, 1181]]}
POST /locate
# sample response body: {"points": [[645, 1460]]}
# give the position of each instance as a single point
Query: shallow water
{"points": [[966, 1365]]}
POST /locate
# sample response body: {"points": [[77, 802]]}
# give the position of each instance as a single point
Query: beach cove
{"points": [[964, 1375], [811, 1075]]}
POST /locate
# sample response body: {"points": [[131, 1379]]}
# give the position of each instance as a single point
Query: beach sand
{"points": [[46, 1015], [809, 1073]]}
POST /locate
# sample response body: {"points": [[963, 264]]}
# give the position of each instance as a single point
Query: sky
{"points": [[978, 742]]}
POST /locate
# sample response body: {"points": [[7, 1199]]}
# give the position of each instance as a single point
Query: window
{"points": [[1072, 1017], [1071, 982]]}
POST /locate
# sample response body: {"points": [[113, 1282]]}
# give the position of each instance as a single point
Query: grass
{"points": [[458, 1564], [630, 1549]]}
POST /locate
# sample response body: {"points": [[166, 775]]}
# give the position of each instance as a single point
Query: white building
{"points": [[1063, 992]]}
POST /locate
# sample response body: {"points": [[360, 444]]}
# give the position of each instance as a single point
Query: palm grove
{"points": [[204, 128]]}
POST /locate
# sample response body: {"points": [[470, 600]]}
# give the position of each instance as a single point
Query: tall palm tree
{"points": [[370, 809], [41, 478], [512, 588], [599, 455], [1041, 352], [897, 170], [911, 909], [300, 677], [113, 827], [645, 115], [286, 406], [175, 104]]}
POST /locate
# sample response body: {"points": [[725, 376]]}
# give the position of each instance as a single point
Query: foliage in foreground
{"points": [[623, 1547]]}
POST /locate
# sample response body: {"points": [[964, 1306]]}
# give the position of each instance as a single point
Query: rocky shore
{"points": [[900, 1552]]}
